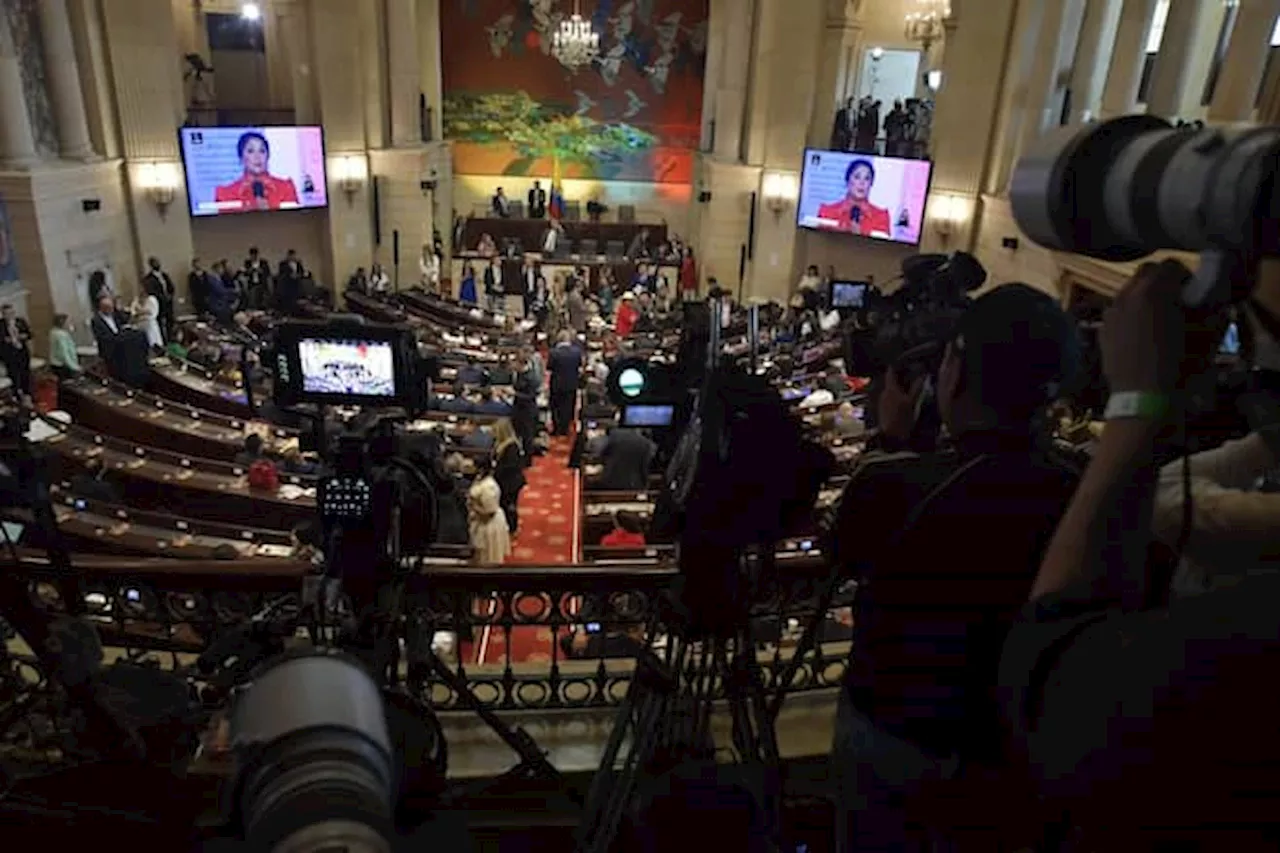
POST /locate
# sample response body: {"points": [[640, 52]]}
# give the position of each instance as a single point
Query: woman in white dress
{"points": [[490, 536], [379, 281], [429, 268], [146, 316]]}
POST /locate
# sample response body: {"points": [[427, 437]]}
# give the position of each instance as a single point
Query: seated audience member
{"points": [[627, 456], [604, 293], [476, 437], [490, 536], [306, 543], [490, 405], [627, 315], [627, 531], [295, 462], [64, 356], [597, 407], [470, 374], [500, 204], [508, 470], [251, 451], [928, 632], [451, 495], [92, 484], [359, 282], [487, 248], [846, 423]]}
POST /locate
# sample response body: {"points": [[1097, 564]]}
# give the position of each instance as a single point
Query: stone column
{"points": [[717, 12], [1246, 61], [735, 77], [1172, 71], [960, 161], [1035, 100], [432, 84], [841, 38], [64, 80], [404, 75], [1120, 93], [17, 142], [1093, 56]]}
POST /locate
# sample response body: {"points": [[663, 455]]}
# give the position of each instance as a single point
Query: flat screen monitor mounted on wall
{"points": [[250, 169], [864, 194]]}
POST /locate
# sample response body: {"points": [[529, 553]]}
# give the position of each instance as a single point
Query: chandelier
{"points": [[575, 43], [924, 23]]}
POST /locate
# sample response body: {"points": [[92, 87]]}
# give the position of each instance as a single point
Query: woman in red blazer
{"points": [[688, 274], [256, 188], [855, 212]]}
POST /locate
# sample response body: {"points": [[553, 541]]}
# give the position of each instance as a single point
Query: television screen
{"points": [[247, 169], [863, 194]]}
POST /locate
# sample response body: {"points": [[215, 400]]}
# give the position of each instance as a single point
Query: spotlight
{"points": [[251, 12]]}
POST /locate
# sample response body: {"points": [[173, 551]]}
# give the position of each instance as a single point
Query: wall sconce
{"points": [[349, 173], [779, 190], [159, 181], [948, 211]]}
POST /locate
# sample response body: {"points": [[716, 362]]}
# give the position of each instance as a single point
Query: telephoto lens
{"points": [[314, 768], [1121, 189]]}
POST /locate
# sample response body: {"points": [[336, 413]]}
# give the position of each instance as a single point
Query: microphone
{"points": [[855, 214], [259, 191]]}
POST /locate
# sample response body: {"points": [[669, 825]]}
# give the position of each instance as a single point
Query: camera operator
{"points": [[917, 705], [1159, 722], [1234, 528]]}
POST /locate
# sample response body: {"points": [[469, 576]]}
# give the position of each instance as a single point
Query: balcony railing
{"points": [[511, 626]]}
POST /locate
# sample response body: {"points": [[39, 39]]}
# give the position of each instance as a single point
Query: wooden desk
{"points": [[196, 487], [192, 385], [529, 232], [558, 267]]}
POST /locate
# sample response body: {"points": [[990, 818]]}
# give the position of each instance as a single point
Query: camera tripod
{"points": [[665, 721]]}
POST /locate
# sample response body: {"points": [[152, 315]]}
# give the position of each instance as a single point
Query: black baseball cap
{"points": [[1020, 349]]}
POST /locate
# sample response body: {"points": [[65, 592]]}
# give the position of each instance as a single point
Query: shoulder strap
{"points": [[913, 517]]}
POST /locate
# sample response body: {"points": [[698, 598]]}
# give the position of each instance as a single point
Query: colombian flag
{"points": [[555, 207]]}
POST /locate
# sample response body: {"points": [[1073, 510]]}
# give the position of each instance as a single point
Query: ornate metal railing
{"points": [[518, 632]]}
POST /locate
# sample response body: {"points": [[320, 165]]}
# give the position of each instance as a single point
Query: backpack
{"points": [[263, 476]]}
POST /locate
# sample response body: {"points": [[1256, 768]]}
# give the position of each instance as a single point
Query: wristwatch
{"points": [[1140, 405]]}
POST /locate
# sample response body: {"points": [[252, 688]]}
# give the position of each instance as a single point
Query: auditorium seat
{"points": [[517, 210], [573, 211], [615, 249], [588, 247], [627, 213]]}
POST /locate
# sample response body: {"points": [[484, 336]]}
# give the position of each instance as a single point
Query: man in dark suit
{"points": [[198, 287], [529, 284], [565, 366], [470, 373], [537, 201], [122, 348], [157, 283], [220, 294], [106, 325], [500, 204], [289, 282], [15, 350], [627, 455], [257, 280]]}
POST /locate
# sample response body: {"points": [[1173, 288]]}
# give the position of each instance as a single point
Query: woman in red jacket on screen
{"points": [[256, 188], [855, 212]]}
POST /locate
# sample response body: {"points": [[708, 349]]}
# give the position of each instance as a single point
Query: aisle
{"points": [[549, 514]]}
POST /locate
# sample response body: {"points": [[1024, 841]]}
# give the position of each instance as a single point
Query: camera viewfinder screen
{"points": [[848, 294], [648, 416], [350, 368]]}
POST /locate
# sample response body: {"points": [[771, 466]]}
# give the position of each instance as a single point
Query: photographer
{"points": [[1234, 528], [1157, 723], [917, 707]]}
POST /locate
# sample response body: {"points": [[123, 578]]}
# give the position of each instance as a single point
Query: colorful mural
{"points": [[635, 114]]}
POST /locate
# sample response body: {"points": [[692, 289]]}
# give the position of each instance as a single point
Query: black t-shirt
{"points": [[1151, 718]]}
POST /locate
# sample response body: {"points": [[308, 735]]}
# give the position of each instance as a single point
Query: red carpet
{"points": [[548, 535]]}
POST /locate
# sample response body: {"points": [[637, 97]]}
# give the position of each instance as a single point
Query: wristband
{"points": [[1140, 405]]}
